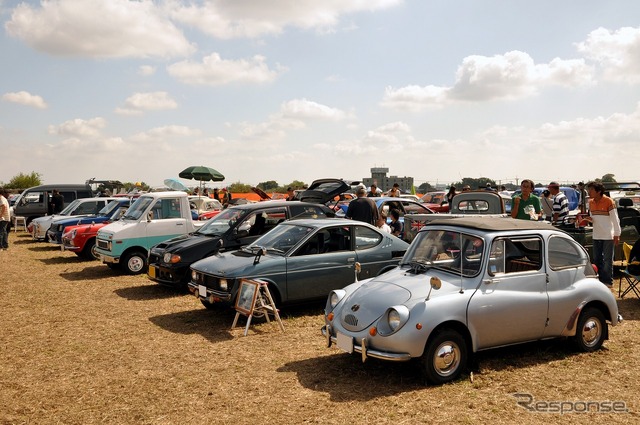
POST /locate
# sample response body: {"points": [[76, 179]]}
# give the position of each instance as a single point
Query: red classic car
{"points": [[436, 201]]}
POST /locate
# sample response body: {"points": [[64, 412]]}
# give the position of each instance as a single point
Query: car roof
{"points": [[493, 223], [330, 221], [273, 204]]}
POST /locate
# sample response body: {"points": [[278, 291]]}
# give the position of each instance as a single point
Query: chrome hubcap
{"points": [[135, 264], [591, 332], [446, 358]]}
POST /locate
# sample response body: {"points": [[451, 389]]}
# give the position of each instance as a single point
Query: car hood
{"points": [[323, 190], [397, 287], [261, 193], [185, 243], [236, 264]]}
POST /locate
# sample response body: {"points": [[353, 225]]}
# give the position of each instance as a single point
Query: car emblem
{"points": [[355, 307]]}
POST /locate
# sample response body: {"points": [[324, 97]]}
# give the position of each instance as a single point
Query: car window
{"points": [[414, 208], [366, 238], [299, 211], [564, 253], [442, 249], [513, 255], [166, 208]]}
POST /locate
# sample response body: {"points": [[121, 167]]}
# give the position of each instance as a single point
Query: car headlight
{"points": [[72, 235], [170, 258], [194, 276], [334, 298], [393, 319], [223, 284]]}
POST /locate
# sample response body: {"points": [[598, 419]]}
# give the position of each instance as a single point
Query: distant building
{"points": [[384, 183]]}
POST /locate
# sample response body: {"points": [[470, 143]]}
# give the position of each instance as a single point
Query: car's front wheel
{"points": [[134, 262], [445, 357], [591, 330]]}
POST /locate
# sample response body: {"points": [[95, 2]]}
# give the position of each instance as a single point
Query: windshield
{"points": [[433, 198], [282, 238], [138, 208], [108, 209], [72, 206], [221, 223], [442, 249]]}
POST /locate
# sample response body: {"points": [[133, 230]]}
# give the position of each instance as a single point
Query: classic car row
{"points": [[467, 282]]}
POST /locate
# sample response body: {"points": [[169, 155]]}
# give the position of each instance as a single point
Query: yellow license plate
{"points": [[152, 271]]}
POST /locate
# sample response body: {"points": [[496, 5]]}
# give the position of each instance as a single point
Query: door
{"points": [[323, 263], [166, 221], [511, 304]]}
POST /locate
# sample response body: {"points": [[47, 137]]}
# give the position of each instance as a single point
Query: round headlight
{"points": [[224, 285], [167, 257], [393, 318], [333, 299], [73, 234]]}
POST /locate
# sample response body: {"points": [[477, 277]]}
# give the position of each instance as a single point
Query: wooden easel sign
{"points": [[254, 299]]}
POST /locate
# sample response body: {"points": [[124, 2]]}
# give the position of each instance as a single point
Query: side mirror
{"points": [[150, 216]]}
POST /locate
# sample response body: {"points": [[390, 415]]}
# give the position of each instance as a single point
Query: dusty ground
{"points": [[81, 344]]}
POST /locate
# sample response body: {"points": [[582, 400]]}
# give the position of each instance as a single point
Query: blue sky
{"points": [[281, 90]]}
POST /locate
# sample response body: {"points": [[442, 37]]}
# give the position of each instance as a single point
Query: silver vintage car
{"points": [[470, 284]]}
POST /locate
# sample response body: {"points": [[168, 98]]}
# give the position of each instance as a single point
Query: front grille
{"points": [[351, 320], [103, 244]]}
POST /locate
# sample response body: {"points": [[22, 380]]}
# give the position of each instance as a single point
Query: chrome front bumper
{"points": [[364, 351]]}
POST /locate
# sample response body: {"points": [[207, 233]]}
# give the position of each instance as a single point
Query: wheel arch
{"points": [[454, 325]]}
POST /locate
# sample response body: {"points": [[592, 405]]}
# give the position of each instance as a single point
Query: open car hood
{"points": [[324, 190], [261, 193]]}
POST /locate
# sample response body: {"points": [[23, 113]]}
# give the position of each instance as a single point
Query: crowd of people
{"points": [[599, 211]]}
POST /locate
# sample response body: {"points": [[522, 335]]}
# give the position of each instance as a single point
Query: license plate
{"points": [[202, 291], [344, 342], [152, 272]]}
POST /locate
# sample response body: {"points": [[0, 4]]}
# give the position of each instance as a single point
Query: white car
{"points": [[79, 207]]}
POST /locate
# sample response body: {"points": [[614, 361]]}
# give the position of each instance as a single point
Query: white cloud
{"points": [[153, 101], [227, 19], [146, 70], [215, 71], [306, 109], [98, 28], [79, 128], [618, 52], [482, 78], [293, 115], [165, 133], [25, 98]]}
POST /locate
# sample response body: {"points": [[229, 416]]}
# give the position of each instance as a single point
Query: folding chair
{"points": [[633, 280]]}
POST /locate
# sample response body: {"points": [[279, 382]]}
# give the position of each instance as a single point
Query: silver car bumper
{"points": [[364, 351]]}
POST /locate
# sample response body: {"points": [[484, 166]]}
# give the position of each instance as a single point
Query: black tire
{"points": [[445, 357], [135, 262], [591, 330], [89, 251]]}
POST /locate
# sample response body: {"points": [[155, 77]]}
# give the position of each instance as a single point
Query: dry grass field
{"points": [[81, 344]]}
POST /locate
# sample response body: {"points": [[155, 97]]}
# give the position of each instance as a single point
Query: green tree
{"points": [[424, 188], [268, 185], [239, 187], [24, 181], [608, 178], [479, 183]]}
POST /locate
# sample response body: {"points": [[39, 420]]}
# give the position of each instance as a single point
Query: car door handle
{"points": [[351, 260], [490, 281], [180, 223]]}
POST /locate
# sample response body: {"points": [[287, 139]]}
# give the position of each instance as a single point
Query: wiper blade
{"points": [[420, 266]]}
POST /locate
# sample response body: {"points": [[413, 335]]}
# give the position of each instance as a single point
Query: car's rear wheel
{"points": [[445, 357], [591, 330], [134, 262]]}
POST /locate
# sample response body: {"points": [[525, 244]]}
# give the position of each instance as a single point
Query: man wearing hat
{"points": [[560, 202]]}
